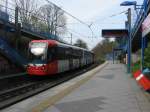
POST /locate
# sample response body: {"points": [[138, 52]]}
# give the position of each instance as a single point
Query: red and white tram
{"points": [[49, 57]]}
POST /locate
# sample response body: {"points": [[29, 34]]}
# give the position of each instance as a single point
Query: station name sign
{"points": [[113, 33], [146, 26]]}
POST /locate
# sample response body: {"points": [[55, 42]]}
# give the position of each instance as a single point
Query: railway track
{"points": [[12, 76], [13, 80], [9, 96]]}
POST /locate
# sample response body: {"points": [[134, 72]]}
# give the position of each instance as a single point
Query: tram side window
{"points": [[60, 53], [76, 53], [86, 54], [64, 53], [51, 54], [68, 53]]}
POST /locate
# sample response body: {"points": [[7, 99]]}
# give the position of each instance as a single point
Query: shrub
{"points": [[147, 57], [136, 66]]}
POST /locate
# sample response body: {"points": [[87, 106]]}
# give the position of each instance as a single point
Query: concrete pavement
{"points": [[110, 90]]}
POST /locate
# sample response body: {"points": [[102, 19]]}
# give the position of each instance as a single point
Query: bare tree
{"points": [[54, 19], [26, 10], [81, 43], [47, 18], [103, 48]]}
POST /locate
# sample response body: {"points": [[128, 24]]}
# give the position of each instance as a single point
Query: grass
{"points": [[136, 66]]}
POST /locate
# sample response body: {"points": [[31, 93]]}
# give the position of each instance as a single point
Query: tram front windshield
{"points": [[38, 51]]}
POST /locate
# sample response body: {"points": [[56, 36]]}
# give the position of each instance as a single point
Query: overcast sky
{"points": [[98, 13]]}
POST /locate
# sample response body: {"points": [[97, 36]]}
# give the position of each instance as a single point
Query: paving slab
{"points": [[110, 90]]}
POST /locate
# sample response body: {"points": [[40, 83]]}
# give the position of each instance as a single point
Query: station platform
{"points": [[106, 88]]}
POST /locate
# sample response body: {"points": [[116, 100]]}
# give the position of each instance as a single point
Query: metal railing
{"points": [[140, 17], [11, 53], [37, 25]]}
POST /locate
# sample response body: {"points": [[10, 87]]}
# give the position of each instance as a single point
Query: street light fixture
{"points": [[130, 3], [127, 3]]}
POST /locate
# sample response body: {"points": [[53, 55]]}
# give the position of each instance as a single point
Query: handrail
{"points": [[11, 53], [9, 17], [140, 18]]}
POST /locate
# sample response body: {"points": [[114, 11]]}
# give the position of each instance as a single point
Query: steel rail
{"points": [[12, 75]]}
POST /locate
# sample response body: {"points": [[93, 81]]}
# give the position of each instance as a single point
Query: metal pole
{"points": [[71, 38], [17, 28], [129, 41], [5, 19], [142, 53], [113, 56], [143, 39], [6, 5], [56, 25], [56, 21], [16, 16]]}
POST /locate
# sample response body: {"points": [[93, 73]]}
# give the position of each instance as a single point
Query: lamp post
{"points": [[129, 50], [129, 42]]}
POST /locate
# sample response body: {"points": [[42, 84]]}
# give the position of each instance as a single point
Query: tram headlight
{"points": [[39, 65], [30, 64], [43, 67]]}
